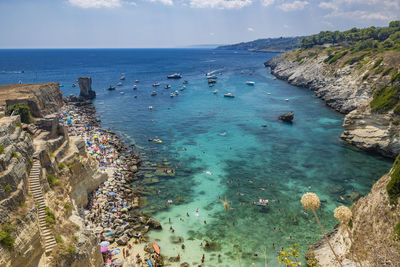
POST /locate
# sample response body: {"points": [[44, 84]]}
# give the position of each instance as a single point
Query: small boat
{"points": [[174, 76], [287, 100], [259, 204], [136, 81], [122, 78], [211, 77], [156, 248], [211, 84], [215, 91], [176, 92], [268, 93], [171, 94], [61, 85], [182, 88], [250, 83], [229, 95], [111, 88], [119, 84], [212, 81], [121, 93], [150, 107], [156, 84], [158, 141], [134, 87], [153, 93], [185, 82], [167, 86], [73, 84]]}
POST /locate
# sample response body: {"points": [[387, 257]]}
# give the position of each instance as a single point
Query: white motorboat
{"points": [[229, 95], [174, 76], [122, 78], [153, 93], [156, 84], [134, 87], [250, 83], [182, 88], [167, 86], [119, 84], [215, 91]]}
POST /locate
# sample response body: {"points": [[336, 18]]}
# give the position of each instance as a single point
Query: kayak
{"points": [[156, 248], [149, 263], [260, 204]]}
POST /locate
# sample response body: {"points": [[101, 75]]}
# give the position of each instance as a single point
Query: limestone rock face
{"points": [[343, 89], [85, 84], [372, 228], [372, 132], [42, 99]]}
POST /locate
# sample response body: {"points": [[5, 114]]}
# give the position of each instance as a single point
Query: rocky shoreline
{"points": [[344, 90], [112, 213]]}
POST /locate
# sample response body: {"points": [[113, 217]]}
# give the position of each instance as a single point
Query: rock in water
{"points": [[85, 84], [287, 117]]}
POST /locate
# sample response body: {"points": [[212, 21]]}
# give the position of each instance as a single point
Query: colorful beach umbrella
{"points": [[118, 262], [115, 251], [103, 249]]}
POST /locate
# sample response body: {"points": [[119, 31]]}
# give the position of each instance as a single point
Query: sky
{"points": [[178, 23]]}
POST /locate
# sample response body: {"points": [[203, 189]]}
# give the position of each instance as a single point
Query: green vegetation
{"points": [[20, 109], [61, 165], [58, 239], [53, 181], [6, 240], [358, 39], [332, 59], [74, 239], [7, 188], [385, 98], [396, 122], [67, 206], [1, 150], [397, 231], [71, 249], [311, 260], [269, 44], [289, 256], [51, 154], [393, 187], [70, 166], [353, 60], [50, 217], [365, 76], [15, 155], [395, 77], [377, 63], [22, 204], [387, 71]]}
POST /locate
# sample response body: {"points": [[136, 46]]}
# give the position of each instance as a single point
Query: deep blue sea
{"points": [[217, 146]]}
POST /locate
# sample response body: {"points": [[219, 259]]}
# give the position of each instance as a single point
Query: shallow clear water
{"points": [[216, 145]]}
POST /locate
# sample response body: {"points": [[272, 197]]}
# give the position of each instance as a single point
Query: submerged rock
{"points": [[287, 117]]}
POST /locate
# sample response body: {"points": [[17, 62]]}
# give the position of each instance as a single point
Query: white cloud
{"points": [[165, 2], [295, 5], [220, 4], [95, 3], [384, 10], [250, 29], [267, 2]]}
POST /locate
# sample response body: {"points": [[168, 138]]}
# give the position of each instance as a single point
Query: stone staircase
{"points": [[36, 190]]}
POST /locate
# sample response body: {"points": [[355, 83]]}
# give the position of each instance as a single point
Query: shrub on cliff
{"points": [[53, 181], [6, 239], [393, 187], [20, 109], [385, 98]]}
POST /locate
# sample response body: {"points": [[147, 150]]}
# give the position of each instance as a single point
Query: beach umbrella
{"points": [[115, 251], [103, 249], [104, 244], [112, 194], [118, 262], [131, 262]]}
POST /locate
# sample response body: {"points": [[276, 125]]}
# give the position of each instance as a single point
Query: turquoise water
{"points": [[217, 146]]}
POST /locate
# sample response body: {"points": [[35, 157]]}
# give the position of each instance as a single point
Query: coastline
{"points": [[113, 223]]}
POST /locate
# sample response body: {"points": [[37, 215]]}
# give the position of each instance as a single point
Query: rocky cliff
{"points": [[42, 99], [63, 189], [347, 84], [372, 230]]}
